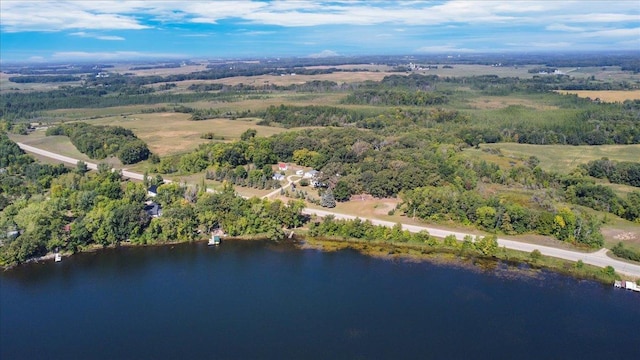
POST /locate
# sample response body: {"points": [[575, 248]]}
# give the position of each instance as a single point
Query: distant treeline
{"points": [[99, 142], [43, 78], [18, 105], [586, 124], [160, 66], [309, 86], [294, 116], [55, 69], [396, 98]]}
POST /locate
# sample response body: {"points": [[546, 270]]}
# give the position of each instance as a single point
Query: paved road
{"points": [[69, 160], [598, 258]]}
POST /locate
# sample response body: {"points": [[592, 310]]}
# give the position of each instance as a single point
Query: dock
{"points": [[628, 285]]}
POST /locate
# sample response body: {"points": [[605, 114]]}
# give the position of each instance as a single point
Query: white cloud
{"points": [[323, 54], [563, 27], [134, 15], [446, 48], [97, 36], [36, 59], [548, 44], [609, 33], [112, 55], [55, 16]]}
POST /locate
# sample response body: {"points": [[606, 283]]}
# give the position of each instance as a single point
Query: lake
{"points": [[254, 299]]}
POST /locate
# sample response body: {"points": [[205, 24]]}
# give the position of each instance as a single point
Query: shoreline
{"points": [[439, 254], [506, 260]]}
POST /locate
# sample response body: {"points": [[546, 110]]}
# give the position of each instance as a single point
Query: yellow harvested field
{"points": [[174, 133], [607, 95], [339, 77]]}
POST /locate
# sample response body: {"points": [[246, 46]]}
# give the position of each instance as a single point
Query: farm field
{"points": [[607, 95]]}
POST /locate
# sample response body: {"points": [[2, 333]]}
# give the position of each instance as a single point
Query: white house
{"points": [[278, 177], [311, 174]]}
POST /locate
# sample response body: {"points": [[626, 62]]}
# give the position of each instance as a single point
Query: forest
{"points": [[47, 208]]}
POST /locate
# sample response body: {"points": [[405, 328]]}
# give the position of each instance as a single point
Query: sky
{"points": [[121, 30]]}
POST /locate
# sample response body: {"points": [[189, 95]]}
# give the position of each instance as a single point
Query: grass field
{"points": [[557, 158], [174, 133], [59, 145], [95, 113], [500, 102], [607, 95], [9, 86]]}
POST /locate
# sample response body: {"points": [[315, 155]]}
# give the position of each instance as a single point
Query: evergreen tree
{"points": [[327, 199]]}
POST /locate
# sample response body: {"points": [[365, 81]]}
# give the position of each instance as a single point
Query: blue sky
{"points": [[110, 30]]}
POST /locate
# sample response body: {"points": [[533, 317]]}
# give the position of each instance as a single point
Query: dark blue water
{"points": [[248, 300]]}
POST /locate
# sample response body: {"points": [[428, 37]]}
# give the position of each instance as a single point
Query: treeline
{"points": [[157, 66], [594, 124], [43, 78], [468, 207], [329, 228], [70, 69], [364, 230], [312, 115], [623, 172], [15, 105], [99, 142], [210, 113], [496, 85], [396, 98]]}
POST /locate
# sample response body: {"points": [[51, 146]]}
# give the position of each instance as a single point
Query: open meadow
{"points": [[174, 133], [558, 158]]}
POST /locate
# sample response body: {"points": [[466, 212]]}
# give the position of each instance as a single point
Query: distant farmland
{"points": [[607, 95]]}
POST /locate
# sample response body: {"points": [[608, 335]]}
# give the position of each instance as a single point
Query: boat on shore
{"points": [[214, 240], [57, 257], [628, 285]]}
